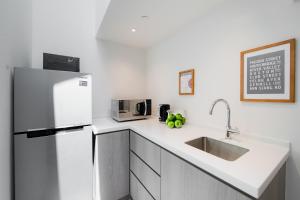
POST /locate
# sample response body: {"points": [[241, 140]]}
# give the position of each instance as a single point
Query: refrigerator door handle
{"points": [[49, 132], [40, 133]]}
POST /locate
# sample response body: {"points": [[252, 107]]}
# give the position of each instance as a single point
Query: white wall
{"points": [[5, 134], [120, 74], [15, 48], [68, 27], [15, 32], [101, 7], [212, 45]]}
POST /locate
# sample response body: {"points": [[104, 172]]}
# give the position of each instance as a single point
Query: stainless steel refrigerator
{"points": [[52, 135]]}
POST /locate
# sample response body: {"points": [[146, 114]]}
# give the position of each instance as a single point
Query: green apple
{"points": [[171, 117], [171, 124], [183, 120], [178, 116], [178, 123], [167, 121]]}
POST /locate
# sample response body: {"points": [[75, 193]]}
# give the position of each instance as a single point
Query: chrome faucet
{"points": [[229, 130]]}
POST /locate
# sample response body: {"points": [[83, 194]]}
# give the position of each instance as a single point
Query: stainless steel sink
{"points": [[217, 148]]}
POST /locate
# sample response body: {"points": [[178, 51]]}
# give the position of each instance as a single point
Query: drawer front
{"points": [[137, 191], [146, 150], [145, 175]]}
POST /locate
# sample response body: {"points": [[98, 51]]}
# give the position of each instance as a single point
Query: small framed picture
{"points": [[268, 73], [186, 82]]}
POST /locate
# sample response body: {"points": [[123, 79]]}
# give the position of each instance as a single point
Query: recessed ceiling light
{"points": [[133, 30]]}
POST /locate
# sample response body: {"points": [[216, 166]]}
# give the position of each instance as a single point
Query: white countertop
{"points": [[251, 173]]}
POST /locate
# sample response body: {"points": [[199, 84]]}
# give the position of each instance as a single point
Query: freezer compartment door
{"points": [[56, 167], [47, 99]]}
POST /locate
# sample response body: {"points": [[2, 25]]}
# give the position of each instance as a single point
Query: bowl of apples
{"points": [[175, 120]]}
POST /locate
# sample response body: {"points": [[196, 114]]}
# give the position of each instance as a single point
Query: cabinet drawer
{"points": [[145, 175], [137, 191], [146, 150]]}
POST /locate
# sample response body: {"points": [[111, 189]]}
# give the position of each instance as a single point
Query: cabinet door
{"points": [[147, 150], [180, 180], [112, 166]]}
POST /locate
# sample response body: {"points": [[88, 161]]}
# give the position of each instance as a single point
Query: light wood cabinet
{"points": [[111, 166], [144, 168], [137, 190], [128, 165], [149, 179], [145, 149], [181, 180]]}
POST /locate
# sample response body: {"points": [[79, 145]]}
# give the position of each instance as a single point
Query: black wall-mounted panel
{"points": [[62, 63]]}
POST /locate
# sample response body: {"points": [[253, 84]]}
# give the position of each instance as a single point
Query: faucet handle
{"points": [[234, 131], [231, 131]]}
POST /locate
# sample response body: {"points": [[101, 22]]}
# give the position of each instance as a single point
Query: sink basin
{"points": [[217, 148]]}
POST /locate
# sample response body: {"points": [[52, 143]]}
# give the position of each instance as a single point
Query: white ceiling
{"points": [[165, 18]]}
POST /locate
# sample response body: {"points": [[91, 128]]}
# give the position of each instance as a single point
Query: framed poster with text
{"points": [[268, 73]]}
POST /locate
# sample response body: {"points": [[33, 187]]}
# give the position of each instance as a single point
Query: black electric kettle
{"points": [[163, 112]]}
